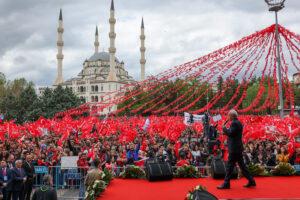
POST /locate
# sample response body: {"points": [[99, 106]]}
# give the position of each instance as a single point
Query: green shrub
{"points": [[187, 171], [283, 169], [132, 171], [258, 170], [108, 176]]}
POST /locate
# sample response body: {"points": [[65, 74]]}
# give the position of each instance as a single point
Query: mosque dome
{"points": [[103, 56]]}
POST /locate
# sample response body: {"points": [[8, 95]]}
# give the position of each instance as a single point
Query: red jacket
{"points": [[297, 160], [42, 163], [82, 163], [180, 163]]}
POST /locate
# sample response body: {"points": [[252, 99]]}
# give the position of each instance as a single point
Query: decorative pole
{"points": [[275, 6]]}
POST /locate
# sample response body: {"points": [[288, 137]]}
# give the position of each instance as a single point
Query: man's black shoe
{"points": [[250, 184], [223, 186]]}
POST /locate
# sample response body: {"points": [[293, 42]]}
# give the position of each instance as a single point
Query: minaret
{"points": [[96, 43], [142, 49], [112, 49], [60, 43]]}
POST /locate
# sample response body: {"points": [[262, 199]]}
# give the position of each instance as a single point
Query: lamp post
{"points": [[275, 6], [207, 97]]}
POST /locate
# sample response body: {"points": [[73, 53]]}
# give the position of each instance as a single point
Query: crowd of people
{"points": [[270, 153], [18, 158]]}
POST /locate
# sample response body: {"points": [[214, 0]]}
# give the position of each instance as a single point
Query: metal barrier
{"points": [[297, 168], [73, 178], [68, 182]]}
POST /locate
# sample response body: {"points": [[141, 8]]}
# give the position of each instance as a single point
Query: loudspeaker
{"points": [[218, 169], [156, 171], [203, 195]]}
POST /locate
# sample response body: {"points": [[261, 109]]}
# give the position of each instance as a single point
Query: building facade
{"points": [[103, 73]]}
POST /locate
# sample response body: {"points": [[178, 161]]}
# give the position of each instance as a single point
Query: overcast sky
{"points": [[176, 32]]}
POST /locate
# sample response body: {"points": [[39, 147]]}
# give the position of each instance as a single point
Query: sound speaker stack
{"points": [[218, 169], [203, 195], [156, 171]]}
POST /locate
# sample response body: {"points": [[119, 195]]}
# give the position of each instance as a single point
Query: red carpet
{"points": [[267, 187]]}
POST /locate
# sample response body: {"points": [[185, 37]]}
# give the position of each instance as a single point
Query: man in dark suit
{"points": [[46, 191], [16, 180], [11, 161], [29, 171], [235, 149], [4, 178]]}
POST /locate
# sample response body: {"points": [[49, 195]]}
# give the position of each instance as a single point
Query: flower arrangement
{"points": [[98, 186], [257, 170], [283, 169], [191, 196], [108, 176], [93, 191], [187, 171], [132, 171]]}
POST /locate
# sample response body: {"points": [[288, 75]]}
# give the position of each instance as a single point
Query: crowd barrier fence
{"points": [[68, 182]]}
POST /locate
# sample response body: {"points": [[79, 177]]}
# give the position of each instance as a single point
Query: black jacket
{"points": [[16, 179], [234, 133], [171, 158], [44, 193], [29, 169], [2, 176], [72, 148], [271, 160]]}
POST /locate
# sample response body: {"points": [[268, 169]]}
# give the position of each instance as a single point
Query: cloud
{"points": [[176, 31]]}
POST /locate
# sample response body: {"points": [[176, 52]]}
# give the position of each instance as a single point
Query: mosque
{"points": [[102, 73]]}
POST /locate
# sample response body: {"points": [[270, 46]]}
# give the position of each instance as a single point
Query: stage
{"points": [[267, 188]]}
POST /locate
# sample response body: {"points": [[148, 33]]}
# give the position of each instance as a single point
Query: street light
{"points": [[275, 6], [207, 97]]}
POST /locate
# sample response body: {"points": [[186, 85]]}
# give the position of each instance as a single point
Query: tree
{"points": [[2, 85], [8, 106], [2, 79], [57, 100], [297, 95], [220, 84], [19, 101], [29, 109], [46, 102], [18, 85], [10, 98]]}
